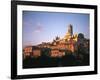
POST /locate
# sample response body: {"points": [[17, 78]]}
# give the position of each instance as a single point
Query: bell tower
{"points": [[70, 30]]}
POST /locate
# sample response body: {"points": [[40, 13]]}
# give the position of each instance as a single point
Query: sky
{"points": [[42, 26]]}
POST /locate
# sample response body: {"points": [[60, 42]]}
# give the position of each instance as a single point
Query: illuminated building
{"points": [[70, 42]]}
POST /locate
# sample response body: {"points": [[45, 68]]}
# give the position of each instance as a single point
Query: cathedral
{"points": [[68, 42]]}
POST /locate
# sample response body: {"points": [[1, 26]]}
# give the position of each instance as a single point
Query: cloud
{"points": [[38, 28], [37, 31]]}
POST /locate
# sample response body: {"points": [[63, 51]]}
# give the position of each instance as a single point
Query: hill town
{"points": [[71, 44]]}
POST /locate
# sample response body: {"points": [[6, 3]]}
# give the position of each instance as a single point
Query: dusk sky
{"points": [[41, 27]]}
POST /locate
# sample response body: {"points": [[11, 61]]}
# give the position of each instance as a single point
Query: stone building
{"points": [[27, 51]]}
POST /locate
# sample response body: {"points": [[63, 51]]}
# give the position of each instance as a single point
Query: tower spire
{"points": [[70, 29]]}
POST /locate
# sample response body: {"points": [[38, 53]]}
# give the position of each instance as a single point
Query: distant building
{"points": [[32, 51], [36, 52], [27, 51], [57, 53], [54, 52]]}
